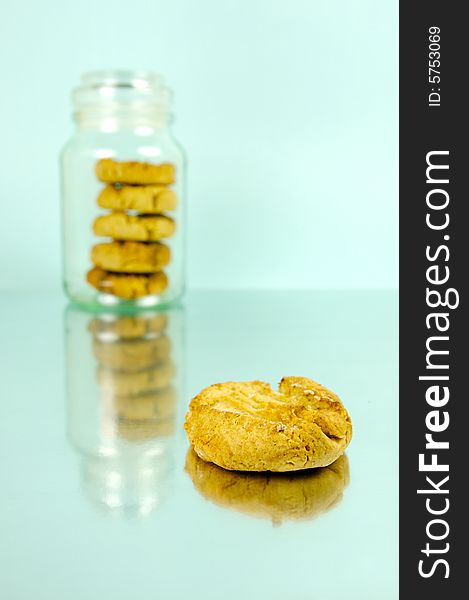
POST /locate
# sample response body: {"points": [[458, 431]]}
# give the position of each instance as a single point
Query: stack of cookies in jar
{"points": [[137, 196]]}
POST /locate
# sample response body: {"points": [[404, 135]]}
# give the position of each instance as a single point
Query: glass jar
{"points": [[123, 194]]}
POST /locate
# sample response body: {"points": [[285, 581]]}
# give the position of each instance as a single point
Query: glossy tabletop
{"points": [[100, 498]]}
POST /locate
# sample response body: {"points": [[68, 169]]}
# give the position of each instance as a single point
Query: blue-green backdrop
{"points": [[288, 112]]}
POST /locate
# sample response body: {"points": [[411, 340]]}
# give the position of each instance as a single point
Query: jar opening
{"points": [[134, 95]]}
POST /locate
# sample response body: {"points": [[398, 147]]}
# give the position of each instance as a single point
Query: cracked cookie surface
{"points": [[134, 172], [247, 426], [142, 198], [131, 257], [142, 228], [125, 286]]}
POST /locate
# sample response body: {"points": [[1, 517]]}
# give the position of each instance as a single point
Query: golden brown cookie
{"points": [[149, 199], [131, 257], [135, 173], [132, 355], [125, 286], [276, 496], [247, 426], [110, 327], [141, 228], [160, 405], [120, 383]]}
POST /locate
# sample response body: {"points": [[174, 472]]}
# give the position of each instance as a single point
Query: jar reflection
{"points": [[123, 388], [275, 496]]}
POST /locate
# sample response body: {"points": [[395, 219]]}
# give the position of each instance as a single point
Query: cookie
{"points": [[160, 404], [132, 355], [110, 328], [275, 496], [145, 198], [247, 426], [127, 287], [131, 257], [142, 228], [135, 173], [120, 383]]}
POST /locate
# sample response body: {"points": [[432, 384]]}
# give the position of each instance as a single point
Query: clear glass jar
{"points": [[123, 194]]}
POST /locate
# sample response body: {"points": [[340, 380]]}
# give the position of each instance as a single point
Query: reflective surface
{"points": [[123, 390], [276, 496], [101, 497]]}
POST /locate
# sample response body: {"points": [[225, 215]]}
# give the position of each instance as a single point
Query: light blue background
{"points": [[288, 112]]}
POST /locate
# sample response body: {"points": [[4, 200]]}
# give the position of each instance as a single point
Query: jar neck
{"points": [[116, 120], [114, 100]]}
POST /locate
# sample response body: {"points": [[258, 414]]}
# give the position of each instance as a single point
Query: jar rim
{"points": [[132, 78], [122, 94]]}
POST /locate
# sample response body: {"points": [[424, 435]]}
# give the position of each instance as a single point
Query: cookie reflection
{"points": [[123, 388], [275, 496]]}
